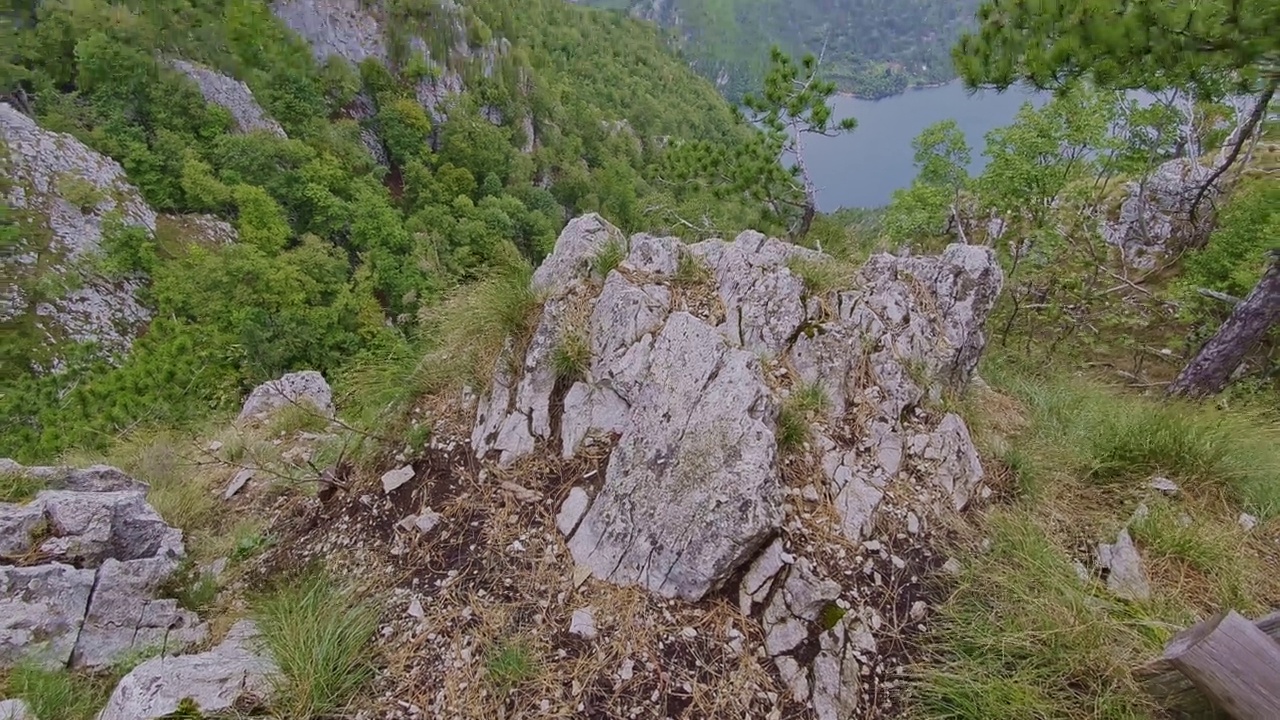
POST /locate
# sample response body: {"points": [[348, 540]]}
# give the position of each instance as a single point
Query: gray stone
{"points": [[1127, 578], [306, 389], [124, 617], [836, 679], [578, 244], [231, 94], [1164, 485], [572, 510], [237, 483], [698, 453], [763, 300], [393, 480], [1247, 522], [1155, 221], [583, 623], [215, 680], [41, 611], [15, 709], [759, 576]]}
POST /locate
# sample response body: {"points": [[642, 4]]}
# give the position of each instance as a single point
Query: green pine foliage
{"points": [[338, 260]]}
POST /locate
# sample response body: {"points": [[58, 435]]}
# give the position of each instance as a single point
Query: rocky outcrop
{"points": [[307, 388], [686, 383], [217, 681], [231, 94], [1154, 220], [79, 571], [63, 193]]}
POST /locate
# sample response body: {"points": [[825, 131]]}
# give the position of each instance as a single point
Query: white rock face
{"points": [[15, 710], [215, 680], [686, 393], [231, 94], [307, 388], [60, 237], [1155, 217], [105, 554], [1127, 578]]}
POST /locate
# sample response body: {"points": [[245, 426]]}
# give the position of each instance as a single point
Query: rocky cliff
{"points": [[707, 483]]}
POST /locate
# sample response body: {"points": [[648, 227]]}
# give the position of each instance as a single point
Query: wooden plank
{"points": [[1176, 693]]}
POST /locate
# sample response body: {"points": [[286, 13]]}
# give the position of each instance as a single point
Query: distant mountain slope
{"points": [[873, 48]]}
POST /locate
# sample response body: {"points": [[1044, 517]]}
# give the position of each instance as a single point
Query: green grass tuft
{"points": [[1118, 440], [571, 357], [820, 276], [510, 664], [17, 487], [609, 257], [690, 271], [320, 635], [796, 416], [57, 694]]}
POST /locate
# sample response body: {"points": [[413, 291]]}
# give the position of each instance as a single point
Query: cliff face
{"points": [[63, 198], [62, 194]]}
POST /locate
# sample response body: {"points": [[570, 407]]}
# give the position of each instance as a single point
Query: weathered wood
{"points": [[1210, 370], [1248, 677]]}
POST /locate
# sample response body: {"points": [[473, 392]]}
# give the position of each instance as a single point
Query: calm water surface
{"points": [[863, 168]]}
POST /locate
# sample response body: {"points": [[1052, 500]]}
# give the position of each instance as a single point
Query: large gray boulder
{"points": [[305, 389], [685, 383], [231, 94], [216, 680], [80, 570], [62, 192], [1154, 220]]}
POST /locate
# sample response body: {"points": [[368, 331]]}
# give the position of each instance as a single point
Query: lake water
{"points": [[863, 168]]}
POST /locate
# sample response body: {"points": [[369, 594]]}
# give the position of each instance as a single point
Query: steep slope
{"points": [[872, 48], [370, 156]]}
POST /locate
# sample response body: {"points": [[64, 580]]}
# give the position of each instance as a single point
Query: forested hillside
{"points": [[421, 146], [871, 48]]}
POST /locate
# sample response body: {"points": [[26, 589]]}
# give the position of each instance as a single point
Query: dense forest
{"points": [[340, 253], [871, 48]]}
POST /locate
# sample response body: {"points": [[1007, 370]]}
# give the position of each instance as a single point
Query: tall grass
{"points": [[1116, 439], [796, 416], [320, 635], [57, 694], [1023, 637], [16, 487]]}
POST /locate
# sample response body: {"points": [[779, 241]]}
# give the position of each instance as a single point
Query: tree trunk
{"points": [[1233, 663], [1210, 371]]}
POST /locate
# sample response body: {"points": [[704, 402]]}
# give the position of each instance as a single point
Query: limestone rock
{"points": [[1127, 578], [393, 480], [1155, 221], [15, 710], [583, 623], [577, 245], [231, 94], [104, 555], [41, 611], [62, 191], [571, 512], [95, 478], [698, 452], [307, 388], [215, 680]]}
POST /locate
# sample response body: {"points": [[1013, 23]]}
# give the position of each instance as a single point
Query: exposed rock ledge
{"points": [[686, 382], [80, 566]]}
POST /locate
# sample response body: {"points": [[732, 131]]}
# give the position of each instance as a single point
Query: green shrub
{"points": [[796, 416], [78, 191]]}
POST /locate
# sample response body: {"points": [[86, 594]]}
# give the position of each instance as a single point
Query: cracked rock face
{"points": [[688, 400], [1154, 221], [79, 570], [231, 94], [60, 234], [307, 388], [215, 680]]}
